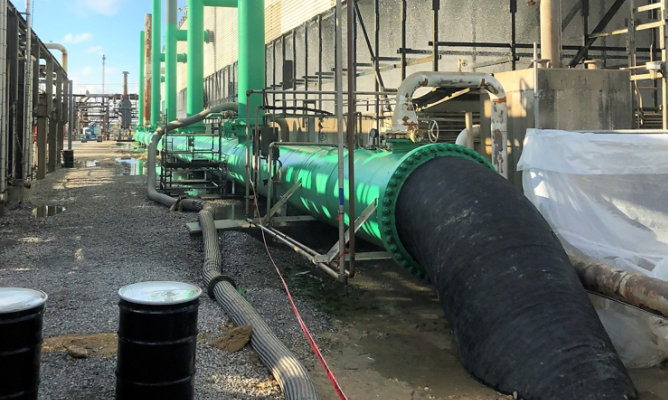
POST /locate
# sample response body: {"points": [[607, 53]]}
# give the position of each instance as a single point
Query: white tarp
{"points": [[606, 194]]}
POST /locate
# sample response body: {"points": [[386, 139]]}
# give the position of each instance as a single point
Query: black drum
{"points": [[68, 158], [157, 339], [21, 312]]}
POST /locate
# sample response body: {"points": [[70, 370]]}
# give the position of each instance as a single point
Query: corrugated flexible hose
{"points": [[292, 376], [522, 321]]}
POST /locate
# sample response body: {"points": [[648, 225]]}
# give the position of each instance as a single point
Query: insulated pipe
{"points": [[292, 376], [140, 99], [405, 120], [62, 49], [170, 61], [550, 31], [156, 47], [521, 319]]}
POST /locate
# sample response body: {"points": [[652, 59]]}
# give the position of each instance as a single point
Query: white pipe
{"points": [[550, 31], [405, 120], [27, 97], [63, 50], [466, 137], [4, 114]]}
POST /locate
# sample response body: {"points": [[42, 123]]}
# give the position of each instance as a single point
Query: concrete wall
{"points": [[460, 20], [568, 99]]}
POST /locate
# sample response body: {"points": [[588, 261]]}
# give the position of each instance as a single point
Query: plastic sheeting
{"points": [[606, 194]]}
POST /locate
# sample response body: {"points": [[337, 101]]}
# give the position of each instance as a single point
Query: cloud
{"points": [[78, 38], [104, 7], [87, 70], [94, 49]]}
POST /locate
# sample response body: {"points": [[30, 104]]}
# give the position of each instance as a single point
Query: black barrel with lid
{"points": [[157, 337], [68, 158], [21, 312]]}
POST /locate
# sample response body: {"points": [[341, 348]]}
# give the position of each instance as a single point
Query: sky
{"points": [[88, 28]]}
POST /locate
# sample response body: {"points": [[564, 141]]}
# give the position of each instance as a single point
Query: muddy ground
{"points": [[384, 335]]}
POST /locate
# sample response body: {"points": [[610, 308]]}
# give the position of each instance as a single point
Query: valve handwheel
{"points": [[433, 131]]}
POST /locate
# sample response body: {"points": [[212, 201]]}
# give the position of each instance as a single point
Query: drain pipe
{"points": [[405, 120], [282, 126], [153, 194], [292, 376], [63, 51], [3, 101]]}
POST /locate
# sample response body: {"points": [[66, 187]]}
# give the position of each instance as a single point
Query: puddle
{"points": [[235, 210], [91, 163], [47, 211], [131, 166]]}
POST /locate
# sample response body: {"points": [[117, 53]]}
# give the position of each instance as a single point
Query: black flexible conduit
{"points": [[292, 376], [522, 321], [153, 194]]}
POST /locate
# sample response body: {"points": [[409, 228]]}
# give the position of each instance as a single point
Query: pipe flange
{"points": [[388, 200]]}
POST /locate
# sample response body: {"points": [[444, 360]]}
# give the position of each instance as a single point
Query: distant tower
{"points": [[126, 105]]}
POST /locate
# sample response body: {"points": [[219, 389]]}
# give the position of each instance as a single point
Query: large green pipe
{"points": [[155, 64], [251, 55], [195, 89], [140, 99], [170, 61], [379, 177]]}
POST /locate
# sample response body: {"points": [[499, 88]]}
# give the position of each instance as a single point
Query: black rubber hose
{"points": [[292, 376], [522, 321], [153, 194]]}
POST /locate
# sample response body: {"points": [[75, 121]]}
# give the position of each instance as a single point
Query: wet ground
{"points": [[384, 335]]}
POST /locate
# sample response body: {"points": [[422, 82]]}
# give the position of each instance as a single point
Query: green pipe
{"points": [[251, 56], [195, 91], [379, 177], [181, 35], [155, 64], [170, 61], [140, 100]]}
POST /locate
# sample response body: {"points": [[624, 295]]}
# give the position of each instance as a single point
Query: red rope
{"points": [[302, 324]]}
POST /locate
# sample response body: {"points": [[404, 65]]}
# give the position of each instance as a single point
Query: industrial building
{"points": [[445, 199]]}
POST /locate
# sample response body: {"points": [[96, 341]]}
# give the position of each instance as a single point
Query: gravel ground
{"points": [[111, 235], [384, 335]]}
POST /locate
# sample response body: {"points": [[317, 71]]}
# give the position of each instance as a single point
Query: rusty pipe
{"points": [[638, 290], [405, 120], [63, 51]]}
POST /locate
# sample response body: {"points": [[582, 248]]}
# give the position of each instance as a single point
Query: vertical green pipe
{"points": [[251, 54], [140, 99], [155, 64], [195, 57], [170, 62]]}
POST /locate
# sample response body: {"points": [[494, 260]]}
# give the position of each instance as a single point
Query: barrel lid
{"points": [[14, 299], [159, 292]]}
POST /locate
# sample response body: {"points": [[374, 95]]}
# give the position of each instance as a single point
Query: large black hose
{"points": [[521, 319], [153, 194], [292, 376]]}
